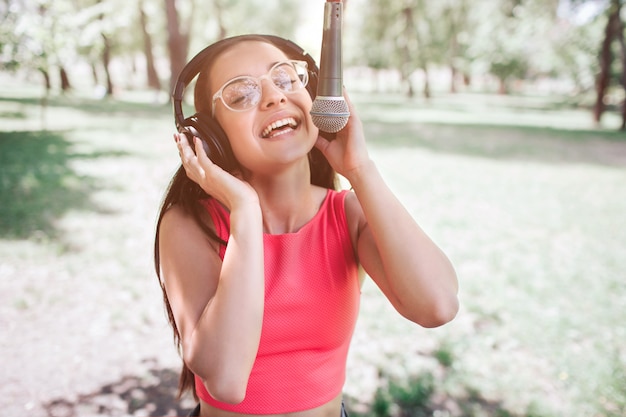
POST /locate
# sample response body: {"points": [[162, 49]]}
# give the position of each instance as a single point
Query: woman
{"points": [[260, 265]]}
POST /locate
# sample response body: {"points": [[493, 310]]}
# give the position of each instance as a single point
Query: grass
{"points": [[534, 219], [524, 194]]}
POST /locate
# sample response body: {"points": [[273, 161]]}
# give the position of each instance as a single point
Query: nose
{"points": [[271, 95]]}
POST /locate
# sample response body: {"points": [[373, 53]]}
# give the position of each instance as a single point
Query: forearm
{"points": [[418, 275], [225, 341]]}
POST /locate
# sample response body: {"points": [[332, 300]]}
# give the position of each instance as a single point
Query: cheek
{"points": [[306, 103], [235, 124], [239, 133]]}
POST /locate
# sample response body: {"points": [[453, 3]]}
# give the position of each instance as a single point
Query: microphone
{"points": [[330, 110]]}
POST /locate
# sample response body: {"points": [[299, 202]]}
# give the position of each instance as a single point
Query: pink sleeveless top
{"points": [[312, 298]]}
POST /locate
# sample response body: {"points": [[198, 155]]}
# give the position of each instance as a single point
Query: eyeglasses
{"points": [[243, 93]]}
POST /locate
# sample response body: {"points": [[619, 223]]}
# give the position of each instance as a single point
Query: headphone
{"points": [[204, 126]]}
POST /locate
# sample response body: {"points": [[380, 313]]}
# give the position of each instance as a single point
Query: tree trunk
{"points": [[94, 74], [106, 61], [454, 52], [44, 97], [453, 75], [46, 80], [422, 57], [177, 42], [502, 86], [410, 93], [619, 34], [219, 16], [151, 72], [606, 58], [467, 79], [65, 81], [407, 65]]}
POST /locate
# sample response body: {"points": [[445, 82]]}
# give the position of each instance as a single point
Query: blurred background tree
{"points": [[569, 45]]}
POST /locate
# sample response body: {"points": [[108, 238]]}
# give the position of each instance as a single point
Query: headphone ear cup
{"points": [[190, 131], [214, 141]]}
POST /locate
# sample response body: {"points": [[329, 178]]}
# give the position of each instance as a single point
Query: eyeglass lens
{"points": [[245, 92]]}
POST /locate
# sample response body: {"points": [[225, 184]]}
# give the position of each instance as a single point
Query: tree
{"points": [[406, 43], [257, 16], [614, 31], [177, 38], [151, 73], [39, 39], [455, 16]]}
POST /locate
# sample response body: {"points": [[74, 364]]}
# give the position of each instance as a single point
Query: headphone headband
{"points": [[204, 126], [197, 63]]}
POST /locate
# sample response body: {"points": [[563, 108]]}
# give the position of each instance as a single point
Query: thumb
{"points": [[322, 144]]}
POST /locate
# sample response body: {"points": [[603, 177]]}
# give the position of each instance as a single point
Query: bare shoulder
{"points": [[190, 267], [354, 213], [179, 228], [174, 218]]}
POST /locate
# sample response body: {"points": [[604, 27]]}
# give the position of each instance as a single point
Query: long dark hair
{"points": [[188, 195]]}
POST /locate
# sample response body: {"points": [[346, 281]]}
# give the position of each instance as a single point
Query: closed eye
{"points": [[244, 91]]}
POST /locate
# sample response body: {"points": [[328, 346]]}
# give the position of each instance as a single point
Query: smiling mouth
{"points": [[279, 127]]}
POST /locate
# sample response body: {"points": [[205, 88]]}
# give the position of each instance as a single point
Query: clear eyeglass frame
{"points": [[245, 92]]}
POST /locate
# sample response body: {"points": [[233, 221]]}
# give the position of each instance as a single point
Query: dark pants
{"points": [[196, 411]]}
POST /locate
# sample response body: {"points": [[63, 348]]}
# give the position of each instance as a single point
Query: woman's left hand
{"points": [[347, 152]]}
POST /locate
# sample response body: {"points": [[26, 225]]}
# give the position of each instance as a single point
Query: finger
{"points": [[188, 158], [179, 145], [203, 158], [198, 145], [188, 138], [346, 96], [180, 139], [322, 144], [351, 107]]}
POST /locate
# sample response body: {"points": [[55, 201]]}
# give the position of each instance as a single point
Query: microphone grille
{"points": [[330, 114]]}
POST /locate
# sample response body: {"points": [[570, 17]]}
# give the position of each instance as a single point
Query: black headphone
{"points": [[204, 126]]}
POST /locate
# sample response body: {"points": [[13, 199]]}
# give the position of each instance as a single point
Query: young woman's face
{"points": [[278, 129]]}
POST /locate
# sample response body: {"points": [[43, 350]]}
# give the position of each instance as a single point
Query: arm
{"points": [[217, 306], [413, 273]]}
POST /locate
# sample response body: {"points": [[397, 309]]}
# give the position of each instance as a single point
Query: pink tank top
{"points": [[312, 298]]}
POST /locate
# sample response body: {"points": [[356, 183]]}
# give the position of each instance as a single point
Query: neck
{"points": [[288, 200]]}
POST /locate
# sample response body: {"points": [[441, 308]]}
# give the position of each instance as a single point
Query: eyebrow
{"points": [[269, 67]]}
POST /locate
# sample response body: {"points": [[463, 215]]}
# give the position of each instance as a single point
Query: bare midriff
{"points": [[330, 409]]}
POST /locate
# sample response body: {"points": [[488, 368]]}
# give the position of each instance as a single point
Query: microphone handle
{"points": [[330, 83]]}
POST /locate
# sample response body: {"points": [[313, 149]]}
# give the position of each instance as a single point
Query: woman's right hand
{"points": [[227, 188]]}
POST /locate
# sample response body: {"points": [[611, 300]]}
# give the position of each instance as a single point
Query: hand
{"points": [[229, 189], [347, 152]]}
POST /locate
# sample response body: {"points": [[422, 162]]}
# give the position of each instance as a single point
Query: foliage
{"points": [[38, 35], [413, 396], [445, 355], [510, 39], [507, 67], [406, 398]]}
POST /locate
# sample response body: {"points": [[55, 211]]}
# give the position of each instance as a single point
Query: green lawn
{"points": [[527, 198]]}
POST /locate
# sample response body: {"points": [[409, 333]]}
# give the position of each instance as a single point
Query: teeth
{"points": [[290, 121]]}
